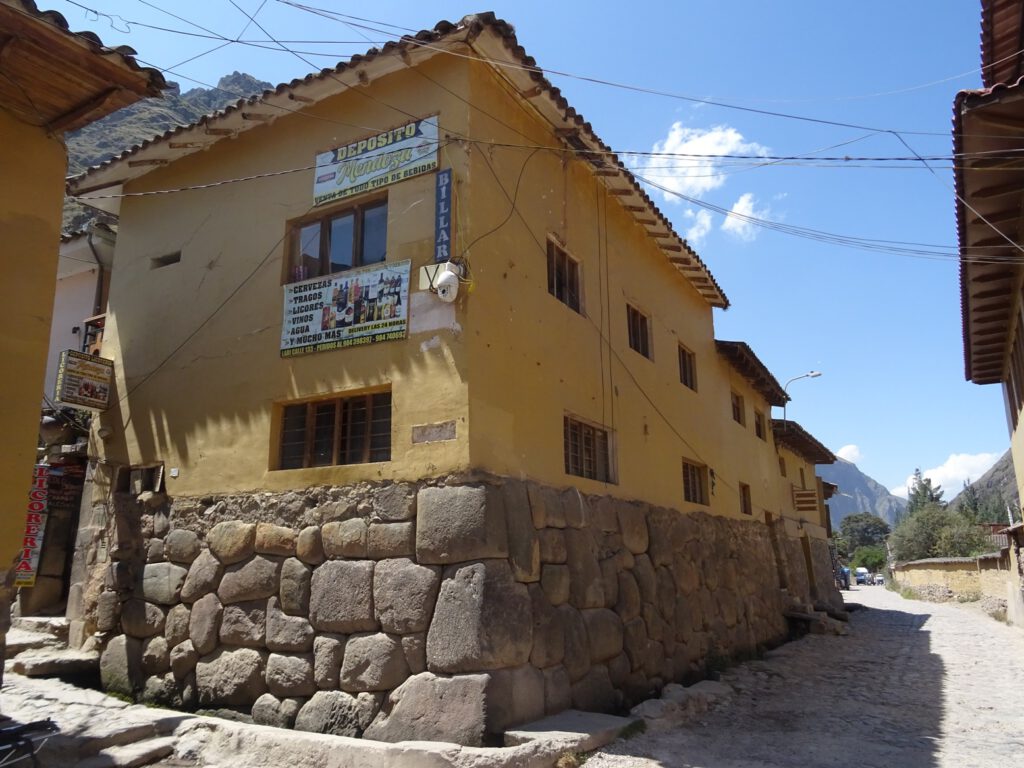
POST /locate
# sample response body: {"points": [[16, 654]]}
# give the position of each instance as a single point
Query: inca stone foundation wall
{"points": [[443, 610]]}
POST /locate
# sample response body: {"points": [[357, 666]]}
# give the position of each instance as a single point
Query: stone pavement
{"points": [[913, 685]]}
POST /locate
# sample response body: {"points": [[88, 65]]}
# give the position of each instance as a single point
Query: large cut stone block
{"points": [[633, 525], [514, 696], [309, 547], [176, 625], [244, 624], [546, 507], [459, 523], [142, 619], [594, 693], [577, 643], [328, 653], [181, 546], [231, 677], [275, 540], [204, 624], [390, 540], [232, 541], [604, 633], [290, 675], [287, 633], [554, 580], [404, 594], [548, 633], [294, 592], [155, 657], [346, 538], [552, 545], [272, 711], [395, 503], [254, 579], [557, 690], [341, 599], [586, 586], [121, 665], [523, 542], [427, 707], [332, 712], [203, 577], [183, 658], [482, 620], [373, 662], [162, 582]]}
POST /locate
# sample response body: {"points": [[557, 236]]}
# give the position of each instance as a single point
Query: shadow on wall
{"points": [[873, 698]]}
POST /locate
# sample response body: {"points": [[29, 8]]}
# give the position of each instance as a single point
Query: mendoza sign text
{"points": [[376, 161]]}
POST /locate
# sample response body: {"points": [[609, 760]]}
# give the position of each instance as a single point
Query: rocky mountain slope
{"points": [[859, 493], [145, 119], [996, 488]]}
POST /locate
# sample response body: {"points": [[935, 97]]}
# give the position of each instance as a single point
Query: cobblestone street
{"points": [[913, 685]]}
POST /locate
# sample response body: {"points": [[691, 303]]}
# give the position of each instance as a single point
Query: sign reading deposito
{"points": [[84, 380], [35, 528], [376, 161], [357, 306]]}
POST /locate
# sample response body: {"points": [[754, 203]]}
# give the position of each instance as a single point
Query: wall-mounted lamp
{"points": [[75, 329], [808, 375]]}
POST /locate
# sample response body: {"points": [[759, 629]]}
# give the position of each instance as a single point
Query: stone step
{"points": [[577, 731], [55, 663], [131, 755], [57, 626], [21, 640]]}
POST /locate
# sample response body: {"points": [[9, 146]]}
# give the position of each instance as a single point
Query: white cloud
{"points": [[693, 172], [953, 472], [850, 453], [738, 226], [701, 226]]}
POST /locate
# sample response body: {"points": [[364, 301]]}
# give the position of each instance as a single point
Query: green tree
{"points": [[936, 531], [969, 504], [872, 557], [922, 492], [863, 530]]}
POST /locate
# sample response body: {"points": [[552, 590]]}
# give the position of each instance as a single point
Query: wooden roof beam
{"points": [[58, 124], [997, 190]]}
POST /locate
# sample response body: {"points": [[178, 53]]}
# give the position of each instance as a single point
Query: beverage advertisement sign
{"points": [[84, 380], [376, 161], [35, 528], [346, 309]]}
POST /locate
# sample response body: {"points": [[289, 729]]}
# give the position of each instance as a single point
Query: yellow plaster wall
{"points": [[534, 359], [209, 409], [1017, 453], [30, 219], [974, 578]]}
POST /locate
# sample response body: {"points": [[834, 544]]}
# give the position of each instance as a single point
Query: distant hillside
{"points": [[858, 493], [145, 119], [995, 489]]}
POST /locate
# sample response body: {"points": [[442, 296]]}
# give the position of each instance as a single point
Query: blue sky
{"points": [[883, 327]]}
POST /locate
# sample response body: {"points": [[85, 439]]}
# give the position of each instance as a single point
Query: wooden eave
{"points": [[494, 41], [1002, 40], [749, 366], [60, 80], [990, 221], [791, 435]]}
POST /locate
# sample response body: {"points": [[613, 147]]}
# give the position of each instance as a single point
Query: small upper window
{"points": [[639, 331], [759, 428], [746, 507], [687, 368], [353, 237], [563, 277], [782, 466], [739, 414]]}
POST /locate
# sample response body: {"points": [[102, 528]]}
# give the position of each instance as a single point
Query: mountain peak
{"points": [[858, 493]]}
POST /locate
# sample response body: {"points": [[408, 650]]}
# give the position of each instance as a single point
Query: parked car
{"points": [[863, 575], [879, 579]]}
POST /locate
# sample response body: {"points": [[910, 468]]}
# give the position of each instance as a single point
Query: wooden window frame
{"points": [[687, 368], [695, 483], [377, 407], [562, 265], [746, 505], [638, 325], [782, 466], [324, 219], [759, 425], [592, 438], [739, 408]]}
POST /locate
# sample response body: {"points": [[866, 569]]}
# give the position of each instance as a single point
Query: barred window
{"points": [[586, 450], [348, 430], [759, 428], [695, 483], [563, 277], [639, 331]]}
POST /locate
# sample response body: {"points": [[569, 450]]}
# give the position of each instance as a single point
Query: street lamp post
{"points": [[808, 375]]}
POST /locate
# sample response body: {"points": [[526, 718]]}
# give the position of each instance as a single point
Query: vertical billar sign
{"points": [[443, 216], [35, 528]]}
